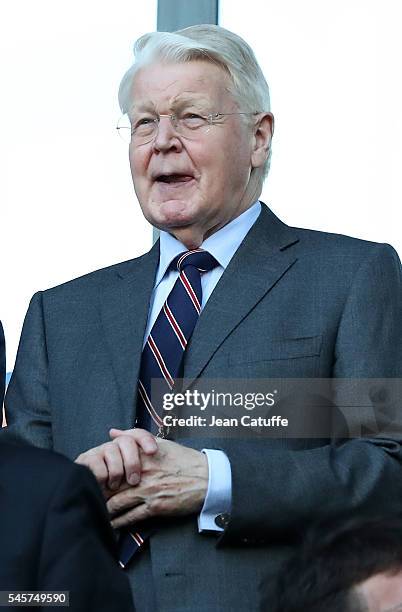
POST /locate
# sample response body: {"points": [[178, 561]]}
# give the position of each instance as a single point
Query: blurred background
{"points": [[67, 201]]}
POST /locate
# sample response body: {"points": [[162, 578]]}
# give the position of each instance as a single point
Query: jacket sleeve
{"points": [[27, 408], [277, 490]]}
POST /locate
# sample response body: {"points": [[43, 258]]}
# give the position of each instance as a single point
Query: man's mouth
{"points": [[173, 178]]}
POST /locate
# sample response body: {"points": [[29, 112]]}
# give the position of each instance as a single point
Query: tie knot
{"points": [[198, 258]]}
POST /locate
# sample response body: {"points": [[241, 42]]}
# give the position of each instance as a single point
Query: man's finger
{"points": [[139, 513], [131, 458], [143, 438], [122, 501], [114, 464]]}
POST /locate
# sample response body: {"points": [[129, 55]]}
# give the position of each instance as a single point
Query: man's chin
{"points": [[170, 214]]}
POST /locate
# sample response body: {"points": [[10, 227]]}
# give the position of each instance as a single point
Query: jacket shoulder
{"points": [[331, 244], [93, 281], [316, 242]]}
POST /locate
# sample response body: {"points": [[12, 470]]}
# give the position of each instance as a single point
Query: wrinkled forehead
{"points": [[177, 85]]}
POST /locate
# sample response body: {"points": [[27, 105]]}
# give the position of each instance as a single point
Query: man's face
{"points": [[191, 187], [382, 592]]}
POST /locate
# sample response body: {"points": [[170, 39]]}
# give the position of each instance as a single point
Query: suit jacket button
{"points": [[222, 520]]}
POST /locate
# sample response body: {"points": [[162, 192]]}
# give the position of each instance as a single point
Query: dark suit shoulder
{"points": [[35, 464], [328, 240], [41, 475], [331, 244], [342, 256], [315, 242], [97, 279]]}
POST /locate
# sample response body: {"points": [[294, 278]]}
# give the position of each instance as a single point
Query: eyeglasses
{"points": [[141, 130]]}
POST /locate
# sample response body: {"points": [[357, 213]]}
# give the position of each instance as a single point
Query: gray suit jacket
{"points": [[292, 303]]}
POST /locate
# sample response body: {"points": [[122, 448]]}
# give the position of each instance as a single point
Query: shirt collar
{"points": [[223, 244]]}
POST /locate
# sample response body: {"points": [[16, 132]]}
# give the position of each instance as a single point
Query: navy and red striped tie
{"points": [[162, 356]]}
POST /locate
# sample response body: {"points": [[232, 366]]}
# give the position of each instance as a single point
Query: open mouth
{"points": [[174, 178]]}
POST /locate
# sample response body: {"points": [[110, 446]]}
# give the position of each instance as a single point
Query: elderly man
{"points": [[229, 291]]}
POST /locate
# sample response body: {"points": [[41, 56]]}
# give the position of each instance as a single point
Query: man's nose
{"points": [[166, 136]]}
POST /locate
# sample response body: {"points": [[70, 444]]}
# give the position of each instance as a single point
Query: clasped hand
{"points": [[142, 476]]}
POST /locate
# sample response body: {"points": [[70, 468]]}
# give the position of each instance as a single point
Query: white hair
{"points": [[209, 43]]}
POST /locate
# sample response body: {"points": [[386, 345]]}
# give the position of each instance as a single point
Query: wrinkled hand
{"points": [[119, 461], [174, 481]]}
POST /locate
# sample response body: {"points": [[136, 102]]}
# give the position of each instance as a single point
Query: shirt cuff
{"points": [[219, 494]]}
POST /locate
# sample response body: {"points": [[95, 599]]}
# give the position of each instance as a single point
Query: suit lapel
{"points": [[261, 261], [124, 308]]}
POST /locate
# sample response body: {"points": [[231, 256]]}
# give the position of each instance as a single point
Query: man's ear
{"points": [[263, 132]]}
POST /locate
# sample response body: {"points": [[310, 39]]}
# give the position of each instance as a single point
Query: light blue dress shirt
{"points": [[222, 245]]}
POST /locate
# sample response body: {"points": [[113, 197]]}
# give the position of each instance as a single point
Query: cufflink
{"points": [[222, 520]]}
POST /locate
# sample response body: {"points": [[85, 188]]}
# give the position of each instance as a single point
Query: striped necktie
{"points": [[162, 357]]}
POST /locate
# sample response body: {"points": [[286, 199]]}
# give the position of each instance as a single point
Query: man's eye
{"points": [[192, 120], [192, 117], [144, 121]]}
